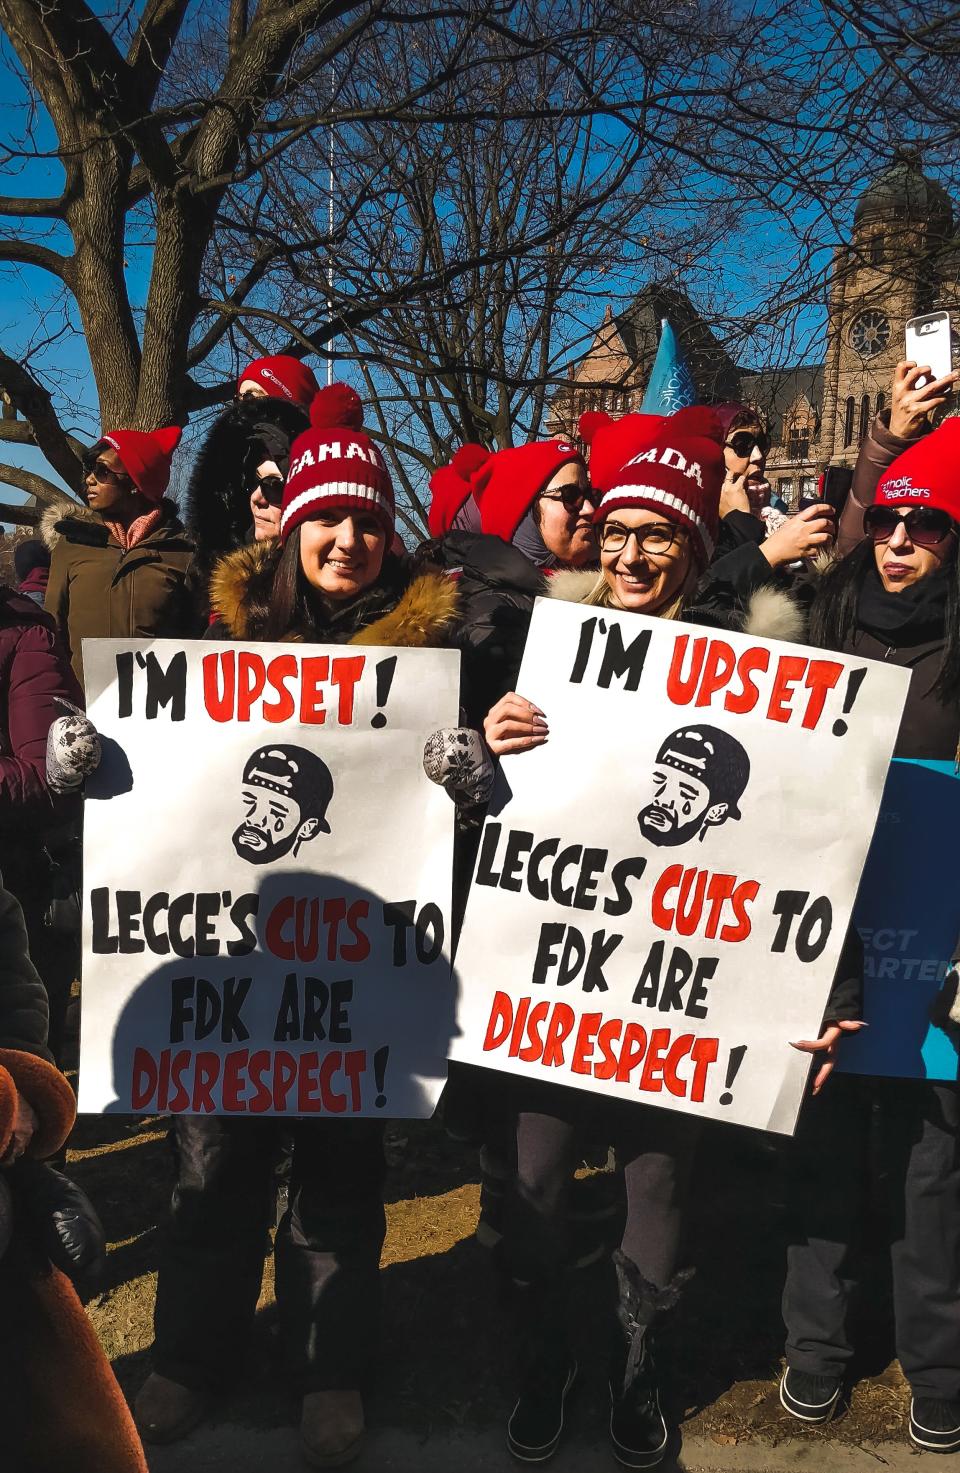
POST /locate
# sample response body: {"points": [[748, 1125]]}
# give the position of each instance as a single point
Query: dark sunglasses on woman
{"points": [[927, 526], [105, 474], [571, 496], [743, 441], [271, 488]]}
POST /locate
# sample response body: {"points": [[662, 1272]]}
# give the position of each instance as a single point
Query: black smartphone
{"points": [[835, 486]]}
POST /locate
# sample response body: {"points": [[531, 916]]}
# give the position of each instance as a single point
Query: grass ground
{"points": [[445, 1358]]}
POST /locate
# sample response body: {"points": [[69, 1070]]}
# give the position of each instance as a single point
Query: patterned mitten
{"points": [[73, 750], [456, 757]]}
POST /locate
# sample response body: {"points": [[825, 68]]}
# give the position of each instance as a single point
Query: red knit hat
{"points": [[450, 486], [282, 377], [508, 482], [334, 463], [613, 441], [678, 474], [928, 474], [146, 456]]}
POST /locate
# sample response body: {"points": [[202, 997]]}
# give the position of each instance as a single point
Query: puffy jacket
{"points": [[99, 591], [34, 675]]}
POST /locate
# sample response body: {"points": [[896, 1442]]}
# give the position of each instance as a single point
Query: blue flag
{"points": [[671, 385]]}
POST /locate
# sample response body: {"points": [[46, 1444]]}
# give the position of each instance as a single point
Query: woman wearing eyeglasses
{"points": [[125, 567], [657, 523], [896, 598]]}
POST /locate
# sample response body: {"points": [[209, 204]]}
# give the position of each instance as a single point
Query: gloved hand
{"points": [[61, 1219], [456, 758], [73, 749]]}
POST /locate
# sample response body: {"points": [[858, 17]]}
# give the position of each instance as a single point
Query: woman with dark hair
{"points": [[896, 598], [657, 527], [329, 578]]}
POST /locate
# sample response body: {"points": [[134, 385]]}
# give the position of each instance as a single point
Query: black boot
{"points": [[638, 1430], [547, 1374]]}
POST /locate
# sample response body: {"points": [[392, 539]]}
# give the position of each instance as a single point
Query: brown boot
{"points": [[165, 1411], [331, 1428]]}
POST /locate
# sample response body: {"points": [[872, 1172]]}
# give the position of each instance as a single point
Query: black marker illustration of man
{"points": [[698, 781], [286, 792]]}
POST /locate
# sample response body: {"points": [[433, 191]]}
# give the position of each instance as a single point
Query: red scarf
{"points": [[139, 528]]}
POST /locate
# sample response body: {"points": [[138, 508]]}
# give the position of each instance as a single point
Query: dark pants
{"points": [[654, 1149], [918, 1126], [327, 1249]]}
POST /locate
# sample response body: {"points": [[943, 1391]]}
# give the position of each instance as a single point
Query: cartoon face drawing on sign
{"points": [[698, 780], [285, 794]]}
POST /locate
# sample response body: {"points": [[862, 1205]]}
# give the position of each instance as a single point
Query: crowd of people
{"points": [[289, 533]]}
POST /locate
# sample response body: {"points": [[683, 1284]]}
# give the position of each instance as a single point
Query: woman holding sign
{"points": [[896, 598], [657, 524], [329, 578]]}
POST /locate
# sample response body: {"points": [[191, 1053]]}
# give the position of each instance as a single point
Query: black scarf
{"points": [[916, 615]]}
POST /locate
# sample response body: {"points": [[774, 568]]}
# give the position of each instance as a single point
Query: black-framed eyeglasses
{"points": [[743, 441], [655, 538], [103, 473], [249, 395], [572, 497], [927, 526], [271, 488]]}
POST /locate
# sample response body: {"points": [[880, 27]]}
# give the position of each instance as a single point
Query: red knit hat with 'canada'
{"points": [[145, 456], [509, 481], [335, 464], [928, 474], [613, 441], [678, 474], [282, 377], [451, 487]]}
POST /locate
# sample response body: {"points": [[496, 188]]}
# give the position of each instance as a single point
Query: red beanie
{"points": [[334, 463], [679, 474], [928, 474], [613, 441], [450, 487], [282, 377], [146, 457], [509, 481]]}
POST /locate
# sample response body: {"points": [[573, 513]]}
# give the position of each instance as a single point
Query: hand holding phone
{"points": [[928, 343], [914, 397]]}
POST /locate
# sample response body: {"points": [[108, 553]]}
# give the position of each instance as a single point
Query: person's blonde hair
{"points": [[601, 595]]}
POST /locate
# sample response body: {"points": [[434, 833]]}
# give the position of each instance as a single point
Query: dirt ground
{"points": [[445, 1362]]}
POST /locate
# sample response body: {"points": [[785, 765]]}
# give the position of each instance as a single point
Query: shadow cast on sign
{"points": [[114, 776], [424, 1022]]}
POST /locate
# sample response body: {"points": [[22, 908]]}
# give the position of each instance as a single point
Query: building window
{"points": [[808, 486], [876, 250], [786, 491], [798, 442], [849, 412], [864, 417], [881, 401]]}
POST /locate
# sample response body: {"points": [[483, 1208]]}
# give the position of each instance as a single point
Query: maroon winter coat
{"points": [[34, 671]]}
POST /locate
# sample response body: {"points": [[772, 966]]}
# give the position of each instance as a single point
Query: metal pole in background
{"points": [[330, 228]]}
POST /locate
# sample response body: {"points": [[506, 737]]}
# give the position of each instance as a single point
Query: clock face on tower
{"points": [[869, 333]]}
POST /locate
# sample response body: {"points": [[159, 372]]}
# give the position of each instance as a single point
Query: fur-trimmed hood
{"points": [[770, 613], [242, 582], [80, 524], [49, 527], [217, 502]]}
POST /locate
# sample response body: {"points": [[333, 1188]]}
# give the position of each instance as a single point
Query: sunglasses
{"points": [[104, 473], [655, 538], [743, 441], [272, 488], [573, 499], [926, 526]]}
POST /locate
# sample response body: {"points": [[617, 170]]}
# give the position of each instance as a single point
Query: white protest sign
{"points": [[266, 880], [663, 890]]}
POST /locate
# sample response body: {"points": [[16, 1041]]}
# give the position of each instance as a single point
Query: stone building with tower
{"points": [[902, 259]]}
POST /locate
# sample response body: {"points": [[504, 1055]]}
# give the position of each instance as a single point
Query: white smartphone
{"points": [[928, 341]]}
